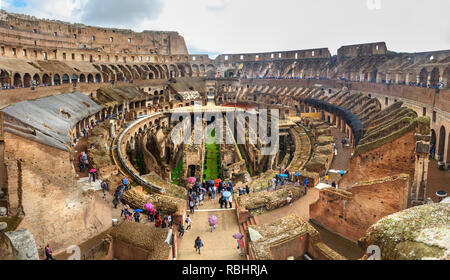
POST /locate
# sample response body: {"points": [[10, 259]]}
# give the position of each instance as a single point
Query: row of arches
{"points": [[107, 72], [27, 80], [439, 143], [426, 77]]}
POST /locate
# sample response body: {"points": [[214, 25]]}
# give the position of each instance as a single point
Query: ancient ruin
{"points": [[355, 150]]}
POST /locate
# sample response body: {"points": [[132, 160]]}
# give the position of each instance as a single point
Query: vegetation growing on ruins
{"points": [[213, 168], [176, 172]]}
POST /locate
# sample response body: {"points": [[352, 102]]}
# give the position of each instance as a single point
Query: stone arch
{"points": [[156, 72], [37, 79], [82, 78], [17, 80], [446, 77], [65, 79], [46, 80], [98, 78], [27, 80], [434, 76], [202, 69], [56, 80], [195, 70], [442, 140], [74, 78], [166, 71], [4, 77], [90, 78], [423, 76]]}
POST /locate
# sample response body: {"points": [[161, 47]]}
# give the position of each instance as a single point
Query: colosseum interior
{"points": [[363, 145]]}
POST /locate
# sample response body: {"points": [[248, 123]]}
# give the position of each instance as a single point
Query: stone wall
{"points": [[43, 188], [350, 214]]}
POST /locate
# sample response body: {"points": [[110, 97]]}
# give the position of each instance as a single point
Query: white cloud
{"points": [[233, 26]]}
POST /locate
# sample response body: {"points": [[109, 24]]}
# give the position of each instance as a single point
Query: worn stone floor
{"points": [[220, 244]]}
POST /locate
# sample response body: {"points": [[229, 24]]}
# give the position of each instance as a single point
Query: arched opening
{"points": [[441, 147], [36, 79], [446, 77], [434, 77], [82, 78], [46, 80], [27, 80], [56, 80], [5, 80], [74, 78], [151, 76], [65, 79], [90, 78], [17, 80], [423, 76], [98, 78], [433, 144]]}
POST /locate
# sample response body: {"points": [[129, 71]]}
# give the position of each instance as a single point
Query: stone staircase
{"points": [[243, 229]]}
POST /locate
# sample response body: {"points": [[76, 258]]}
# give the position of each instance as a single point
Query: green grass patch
{"points": [[212, 168], [176, 173]]}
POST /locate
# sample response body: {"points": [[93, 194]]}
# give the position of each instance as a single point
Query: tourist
{"points": [[181, 230], [290, 198], [104, 186], [326, 179], [196, 203], [210, 192], [241, 246], [214, 192], [169, 220], [247, 189], [188, 223], [124, 210], [158, 221], [137, 217], [164, 223], [198, 244], [191, 205], [230, 200], [221, 202], [49, 253], [274, 183], [333, 184], [116, 203], [151, 215]]}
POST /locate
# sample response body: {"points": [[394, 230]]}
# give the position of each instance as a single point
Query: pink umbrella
{"points": [[149, 206], [191, 180], [213, 220], [93, 170]]}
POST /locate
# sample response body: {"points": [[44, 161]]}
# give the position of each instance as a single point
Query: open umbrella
{"points": [[125, 181], [191, 180], [217, 181], [342, 172], [212, 220], [238, 236], [441, 194], [148, 206], [92, 170], [284, 175], [203, 190], [297, 174], [226, 194], [197, 185], [138, 210], [210, 183]]}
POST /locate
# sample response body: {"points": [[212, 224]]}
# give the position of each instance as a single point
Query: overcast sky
{"points": [[241, 26]]}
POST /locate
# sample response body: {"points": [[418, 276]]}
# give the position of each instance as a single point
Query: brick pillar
{"points": [[419, 183]]}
